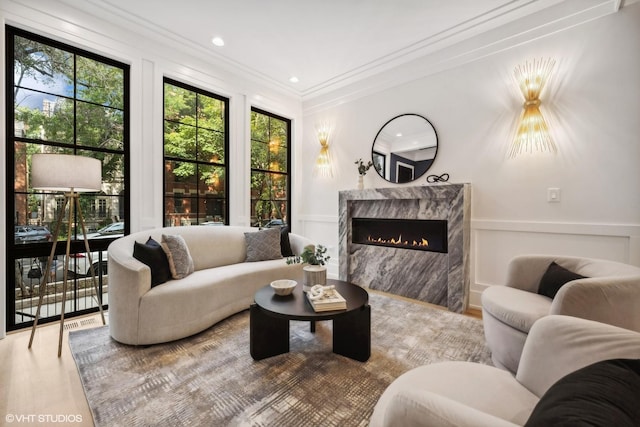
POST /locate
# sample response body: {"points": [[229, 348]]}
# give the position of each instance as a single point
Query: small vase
{"points": [[360, 182], [313, 275]]}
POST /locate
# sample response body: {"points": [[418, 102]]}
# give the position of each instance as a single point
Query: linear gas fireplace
{"points": [[417, 234], [409, 241]]}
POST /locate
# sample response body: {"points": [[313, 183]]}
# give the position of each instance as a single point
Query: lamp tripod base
{"points": [[72, 200]]}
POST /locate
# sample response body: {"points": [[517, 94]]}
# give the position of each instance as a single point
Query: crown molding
{"points": [[528, 28]]}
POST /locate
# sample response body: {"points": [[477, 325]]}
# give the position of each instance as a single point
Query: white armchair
{"points": [[471, 394], [610, 293]]}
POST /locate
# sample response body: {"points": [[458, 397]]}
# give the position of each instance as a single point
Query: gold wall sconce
{"points": [[324, 167], [532, 132]]}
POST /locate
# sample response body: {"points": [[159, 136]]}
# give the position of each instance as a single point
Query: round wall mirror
{"points": [[404, 148]]}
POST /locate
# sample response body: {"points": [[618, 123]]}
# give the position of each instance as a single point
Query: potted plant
{"points": [[362, 171], [315, 272]]}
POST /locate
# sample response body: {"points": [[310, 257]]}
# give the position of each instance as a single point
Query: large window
{"points": [[270, 168], [195, 156], [61, 99]]}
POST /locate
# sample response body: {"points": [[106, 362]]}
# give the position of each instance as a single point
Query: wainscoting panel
{"points": [[322, 229], [494, 243]]}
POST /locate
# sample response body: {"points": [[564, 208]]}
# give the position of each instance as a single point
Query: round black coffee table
{"points": [[271, 313]]}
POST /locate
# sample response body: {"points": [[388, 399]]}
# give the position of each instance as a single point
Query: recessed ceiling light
{"points": [[293, 79], [217, 41], [399, 134]]}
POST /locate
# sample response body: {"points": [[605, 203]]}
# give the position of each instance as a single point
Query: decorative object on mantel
{"points": [[438, 178], [404, 148], [362, 171], [315, 273], [324, 167], [532, 132]]}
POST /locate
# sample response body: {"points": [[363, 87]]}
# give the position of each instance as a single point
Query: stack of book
{"points": [[331, 300]]}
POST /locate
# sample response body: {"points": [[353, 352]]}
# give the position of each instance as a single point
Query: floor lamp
{"points": [[72, 175]]}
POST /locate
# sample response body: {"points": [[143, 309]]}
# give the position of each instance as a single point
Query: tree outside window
{"points": [[270, 168], [195, 156]]}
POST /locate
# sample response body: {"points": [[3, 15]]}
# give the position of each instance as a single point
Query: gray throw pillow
{"points": [[180, 261], [263, 245]]}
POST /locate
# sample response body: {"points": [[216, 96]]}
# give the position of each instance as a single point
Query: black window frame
{"points": [[287, 174], [42, 250], [165, 158]]}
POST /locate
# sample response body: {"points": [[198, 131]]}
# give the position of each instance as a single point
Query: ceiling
{"points": [[328, 43]]}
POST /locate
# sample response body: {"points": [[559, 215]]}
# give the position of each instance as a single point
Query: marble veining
{"points": [[427, 276]]}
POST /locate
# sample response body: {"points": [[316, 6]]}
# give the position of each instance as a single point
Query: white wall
{"points": [[150, 60], [593, 106]]}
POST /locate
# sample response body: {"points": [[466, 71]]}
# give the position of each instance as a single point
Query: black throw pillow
{"points": [[152, 254], [604, 394], [285, 244], [554, 278]]}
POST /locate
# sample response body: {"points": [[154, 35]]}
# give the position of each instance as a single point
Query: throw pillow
{"points": [[152, 254], [553, 279], [603, 394], [285, 244], [263, 245], [178, 255]]}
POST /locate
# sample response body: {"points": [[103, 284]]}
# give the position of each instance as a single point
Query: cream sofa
{"points": [[460, 394], [221, 285], [610, 293]]}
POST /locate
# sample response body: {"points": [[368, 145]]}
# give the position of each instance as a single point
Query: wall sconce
{"points": [[532, 132], [324, 168]]}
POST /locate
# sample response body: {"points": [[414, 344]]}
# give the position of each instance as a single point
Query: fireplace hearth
{"points": [[415, 234]]}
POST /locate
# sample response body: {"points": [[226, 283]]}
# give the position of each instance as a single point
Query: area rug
{"points": [[211, 380]]}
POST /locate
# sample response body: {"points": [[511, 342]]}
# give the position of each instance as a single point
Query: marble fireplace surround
{"points": [[438, 278]]}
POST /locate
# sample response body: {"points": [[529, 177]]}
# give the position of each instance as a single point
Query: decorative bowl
{"points": [[284, 286]]}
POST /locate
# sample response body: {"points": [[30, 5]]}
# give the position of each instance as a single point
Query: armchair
{"points": [[471, 394], [609, 293]]}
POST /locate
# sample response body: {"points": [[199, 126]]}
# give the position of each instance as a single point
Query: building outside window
{"points": [[102, 208], [196, 143], [270, 169], [70, 101]]}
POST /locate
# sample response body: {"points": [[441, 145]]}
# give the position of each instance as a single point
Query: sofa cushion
{"points": [[263, 245], [602, 394], [178, 256], [553, 279], [152, 254], [514, 307]]}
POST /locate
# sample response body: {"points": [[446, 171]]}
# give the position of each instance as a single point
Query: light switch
{"points": [[553, 195]]}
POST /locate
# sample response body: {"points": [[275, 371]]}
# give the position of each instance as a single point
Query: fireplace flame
{"points": [[399, 242]]}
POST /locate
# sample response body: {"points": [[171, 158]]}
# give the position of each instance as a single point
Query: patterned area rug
{"points": [[211, 380]]}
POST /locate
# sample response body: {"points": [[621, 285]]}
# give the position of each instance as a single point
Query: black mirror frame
{"points": [[374, 152]]}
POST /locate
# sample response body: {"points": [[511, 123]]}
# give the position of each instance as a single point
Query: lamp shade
{"points": [[64, 172]]}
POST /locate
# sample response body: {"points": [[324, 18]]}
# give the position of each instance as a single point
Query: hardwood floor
{"points": [[474, 312], [36, 387]]}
